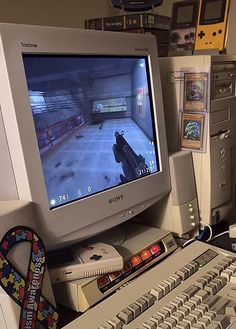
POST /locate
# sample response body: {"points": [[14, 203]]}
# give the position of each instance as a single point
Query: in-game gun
{"points": [[133, 165]]}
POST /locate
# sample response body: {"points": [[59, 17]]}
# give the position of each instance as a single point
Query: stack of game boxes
{"points": [[158, 25]]}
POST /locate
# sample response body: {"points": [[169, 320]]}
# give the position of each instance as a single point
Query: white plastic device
{"points": [[90, 260]]}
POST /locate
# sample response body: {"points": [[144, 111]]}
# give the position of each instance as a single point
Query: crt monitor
{"points": [[84, 127]]}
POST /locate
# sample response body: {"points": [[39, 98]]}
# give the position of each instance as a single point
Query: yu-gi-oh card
{"points": [[195, 92], [192, 127]]}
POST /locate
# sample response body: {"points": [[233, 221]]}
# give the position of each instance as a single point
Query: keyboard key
{"points": [[213, 326], [149, 298], [171, 322], [217, 283], [157, 292], [183, 298], [176, 279], [201, 308], [227, 274], [206, 277], [228, 261], [191, 291], [142, 303], [177, 303], [195, 314], [149, 324], [190, 268], [177, 316], [125, 315], [135, 309], [233, 258], [219, 306], [201, 294], [156, 319], [222, 321], [201, 283], [190, 320], [184, 311], [170, 282], [189, 305], [223, 264], [164, 326], [195, 300], [198, 326], [222, 280], [163, 314], [194, 265], [231, 309], [232, 268], [218, 269], [165, 287], [204, 321], [233, 264], [170, 308], [209, 315], [183, 325], [212, 274], [212, 288], [183, 273], [210, 301], [233, 278], [116, 323]]}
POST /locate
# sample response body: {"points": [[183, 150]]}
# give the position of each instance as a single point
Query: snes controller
{"points": [[85, 261]]}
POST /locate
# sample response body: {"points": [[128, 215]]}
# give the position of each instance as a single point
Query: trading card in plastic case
{"points": [[195, 92], [192, 130]]}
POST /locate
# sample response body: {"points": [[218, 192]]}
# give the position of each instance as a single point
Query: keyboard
{"points": [[194, 288]]}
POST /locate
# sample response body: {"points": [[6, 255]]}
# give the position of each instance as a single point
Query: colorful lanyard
{"points": [[35, 308]]}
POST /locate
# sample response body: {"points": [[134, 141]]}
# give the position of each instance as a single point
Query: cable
{"points": [[200, 237], [187, 242], [216, 236], [210, 236]]}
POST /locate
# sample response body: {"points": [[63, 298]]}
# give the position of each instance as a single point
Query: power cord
{"points": [[220, 234], [200, 237]]}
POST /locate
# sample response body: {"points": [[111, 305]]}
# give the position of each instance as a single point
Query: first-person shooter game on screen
{"points": [[94, 122]]}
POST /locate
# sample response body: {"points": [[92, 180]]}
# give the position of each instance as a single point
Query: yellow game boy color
{"points": [[212, 25]]}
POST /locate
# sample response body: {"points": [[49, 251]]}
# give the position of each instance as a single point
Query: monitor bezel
{"points": [[60, 226]]}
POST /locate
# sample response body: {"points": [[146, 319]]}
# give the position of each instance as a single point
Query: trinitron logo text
{"points": [[28, 44]]}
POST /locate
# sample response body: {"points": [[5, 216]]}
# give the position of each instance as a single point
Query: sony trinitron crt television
{"points": [[84, 134]]}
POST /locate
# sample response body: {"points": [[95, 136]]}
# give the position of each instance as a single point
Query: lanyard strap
{"points": [[26, 292]]}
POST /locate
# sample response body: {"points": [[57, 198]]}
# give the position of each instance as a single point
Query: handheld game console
{"points": [[212, 25]]}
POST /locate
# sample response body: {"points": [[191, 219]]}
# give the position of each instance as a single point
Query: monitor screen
{"points": [[93, 117], [84, 131]]}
